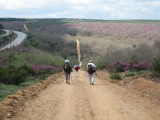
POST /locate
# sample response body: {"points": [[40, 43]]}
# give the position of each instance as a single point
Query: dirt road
{"points": [[81, 101]]}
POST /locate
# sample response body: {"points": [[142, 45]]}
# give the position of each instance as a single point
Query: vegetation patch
{"points": [[122, 46], [156, 64], [18, 67], [122, 66], [4, 40], [2, 32], [115, 76]]}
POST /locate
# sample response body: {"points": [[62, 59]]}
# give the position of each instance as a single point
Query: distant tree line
{"points": [[12, 19]]}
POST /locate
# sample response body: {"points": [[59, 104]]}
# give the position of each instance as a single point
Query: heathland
{"points": [[109, 43], [120, 49]]}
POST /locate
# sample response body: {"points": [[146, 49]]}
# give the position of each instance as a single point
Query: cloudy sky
{"points": [[89, 9]]}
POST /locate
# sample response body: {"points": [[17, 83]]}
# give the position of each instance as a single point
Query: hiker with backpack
{"points": [[76, 67], [67, 69], [91, 69]]}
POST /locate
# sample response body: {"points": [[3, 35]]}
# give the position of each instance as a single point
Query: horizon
{"points": [[85, 19]]}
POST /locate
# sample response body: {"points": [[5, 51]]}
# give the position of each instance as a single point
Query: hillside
{"points": [[126, 54], [114, 39]]}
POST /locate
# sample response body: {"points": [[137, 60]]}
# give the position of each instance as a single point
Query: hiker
{"points": [[76, 67], [91, 69], [67, 69]]}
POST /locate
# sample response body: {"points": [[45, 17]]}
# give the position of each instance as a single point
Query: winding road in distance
{"points": [[20, 37], [7, 32]]}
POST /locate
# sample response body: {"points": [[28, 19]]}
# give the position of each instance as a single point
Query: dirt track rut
{"points": [[81, 101]]}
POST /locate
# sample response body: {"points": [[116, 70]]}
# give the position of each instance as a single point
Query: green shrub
{"points": [[17, 78], [13, 75], [2, 32], [27, 69], [100, 62], [115, 76], [156, 65], [133, 61], [4, 75], [129, 74], [101, 66], [134, 45]]}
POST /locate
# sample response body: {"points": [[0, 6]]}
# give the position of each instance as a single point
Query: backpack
{"points": [[76, 68], [67, 67], [90, 69]]}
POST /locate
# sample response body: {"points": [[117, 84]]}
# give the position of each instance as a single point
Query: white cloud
{"points": [[77, 2], [145, 9], [18, 4], [57, 14], [81, 8], [151, 3], [87, 2], [93, 8], [65, 14], [119, 15], [107, 8]]}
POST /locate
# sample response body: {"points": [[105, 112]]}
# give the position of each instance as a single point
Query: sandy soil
{"points": [[82, 101]]}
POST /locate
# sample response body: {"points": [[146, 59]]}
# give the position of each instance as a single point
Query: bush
{"points": [[115, 76], [134, 45], [13, 75], [2, 32], [100, 62], [156, 65], [133, 61], [6, 39], [17, 78], [129, 74], [12, 78], [42, 69], [27, 69], [122, 66], [142, 66], [4, 75], [118, 67]]}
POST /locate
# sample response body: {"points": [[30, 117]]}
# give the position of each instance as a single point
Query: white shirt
{"points": [[91, 64]]}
